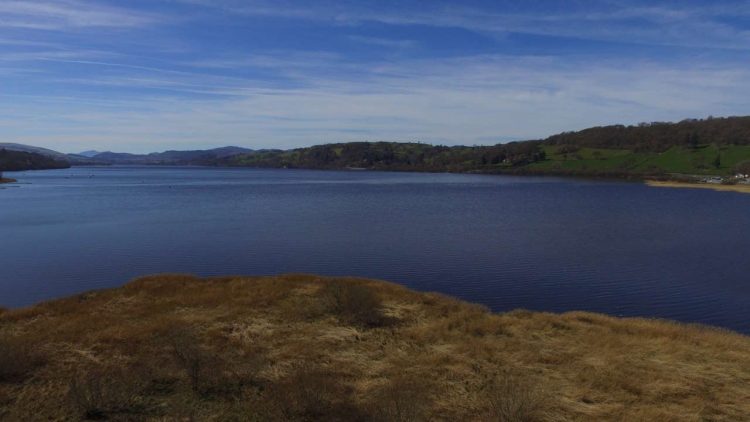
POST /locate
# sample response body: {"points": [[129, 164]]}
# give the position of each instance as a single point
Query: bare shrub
{"points": [[252, 407], [99, 392], [513, 400], [354, 303], [568, 149], [18, 359], [313, 394], [402, 399], [192, 357]]}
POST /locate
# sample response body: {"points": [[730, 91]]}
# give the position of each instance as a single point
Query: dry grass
{"points": [[19, 358], [301, 347]]}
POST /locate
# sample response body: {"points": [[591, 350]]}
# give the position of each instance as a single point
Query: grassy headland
{"points": [[301, 347]]}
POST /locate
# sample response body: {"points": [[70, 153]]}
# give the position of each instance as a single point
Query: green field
{"points": [[700, 160]]}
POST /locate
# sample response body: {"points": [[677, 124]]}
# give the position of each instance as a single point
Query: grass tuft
{"points": [[19, 358], [355, 304]]}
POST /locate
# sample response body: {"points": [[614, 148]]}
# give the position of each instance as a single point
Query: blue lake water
{"points": [[547, 244]]}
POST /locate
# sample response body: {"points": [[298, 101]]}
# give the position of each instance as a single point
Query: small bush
{"points": [[18, 359], [313, 394], [511, 400], [99, 392], [568, 149], [402, 399], [355, 304], [743, 167], [192, 357]]}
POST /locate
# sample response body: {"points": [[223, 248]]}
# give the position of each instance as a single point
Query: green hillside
{"points": [[677, 159], [713, 146]]}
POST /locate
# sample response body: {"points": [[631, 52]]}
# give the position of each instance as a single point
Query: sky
{"points": [[153, 75]]}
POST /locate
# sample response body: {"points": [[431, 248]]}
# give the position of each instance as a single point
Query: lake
{"points": [[548, 244]]}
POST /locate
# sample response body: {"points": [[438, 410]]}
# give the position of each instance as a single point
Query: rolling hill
{"points": [[713, 146], [59, 156], [11, 160], [192, 157]]}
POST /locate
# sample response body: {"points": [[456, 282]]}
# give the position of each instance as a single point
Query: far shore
{"points": [[742, 188]]}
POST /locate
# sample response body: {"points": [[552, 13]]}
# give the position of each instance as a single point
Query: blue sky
{"points": [[152, 75]]}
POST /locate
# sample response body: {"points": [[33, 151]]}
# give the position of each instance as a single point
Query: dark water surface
{"points": [[508, 242]]}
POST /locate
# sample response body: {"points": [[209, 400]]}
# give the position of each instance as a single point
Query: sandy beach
{"points": [[729, 188]]}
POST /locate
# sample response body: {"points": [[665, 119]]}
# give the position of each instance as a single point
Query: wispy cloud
{"points": [[688, 25], [384, 42], [60, 14], [83, 74], [497, 97], [286, 59], [61, 55]]}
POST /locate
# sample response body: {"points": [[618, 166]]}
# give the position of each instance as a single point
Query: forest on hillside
{"points": [[19, 161], [394, 156], [712, 146], [707, 146], [660, 136]]}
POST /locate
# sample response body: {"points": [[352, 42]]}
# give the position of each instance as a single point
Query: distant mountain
{"points": [[193, 157], [93, 157], [119, 157]]}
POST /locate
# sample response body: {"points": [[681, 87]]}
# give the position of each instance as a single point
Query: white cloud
{"points": [[674, 25], [134, 99], [385, 42], [61, 14], [469, 100]]}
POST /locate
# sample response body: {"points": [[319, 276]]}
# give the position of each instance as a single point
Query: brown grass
{"points": [[19, 358], [713, 186], [295, 347]]}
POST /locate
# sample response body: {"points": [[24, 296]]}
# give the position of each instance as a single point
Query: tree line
{"points": [[396, 156], [660, 136]]}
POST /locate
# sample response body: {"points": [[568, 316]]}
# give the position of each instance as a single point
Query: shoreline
{"points": [[740, 188], [138, 280]]}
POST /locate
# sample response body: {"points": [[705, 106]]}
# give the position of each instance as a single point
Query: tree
{"points": [[743, 167], [693, 140], [717, 161]]}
